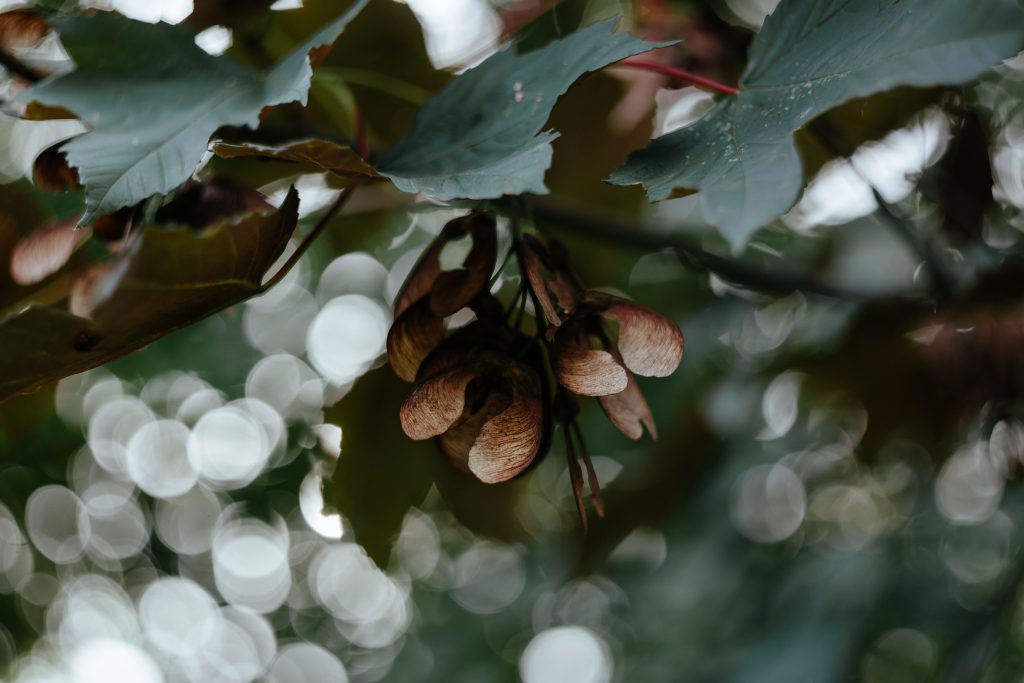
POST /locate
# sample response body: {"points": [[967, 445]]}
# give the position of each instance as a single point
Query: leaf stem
{"points": [[308, 240], [679, 74]]}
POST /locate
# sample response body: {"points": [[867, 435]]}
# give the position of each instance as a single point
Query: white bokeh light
{"points": [[566, 654], [347, 336], [157, 459]]}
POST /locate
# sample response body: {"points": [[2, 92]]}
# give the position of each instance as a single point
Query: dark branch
{"points": [[738, 272]]}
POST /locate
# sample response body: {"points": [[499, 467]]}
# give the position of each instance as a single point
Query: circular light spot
{"points": [[57, 523], [288, 385], [157, 459], [348, 584], [178, 616], [769, 503], [311, 503], [276, 322], [306, 663], [104, 660], [185, 524], [112, 426], [250, 564], [353, 273], [566, 654], [489, 577], [347, 336], [969, 487], [228, 447]]}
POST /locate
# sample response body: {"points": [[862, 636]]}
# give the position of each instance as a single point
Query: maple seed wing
{"points": [[436, 404], [651, 345], [455, 289], [413, 335], [628, 411], [42, 253], [587, 372], [508, 442]]}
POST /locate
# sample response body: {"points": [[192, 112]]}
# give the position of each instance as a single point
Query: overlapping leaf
{"points": [[480, 137], [812, 55], [169, 279], [153, 99], [320, 154]]}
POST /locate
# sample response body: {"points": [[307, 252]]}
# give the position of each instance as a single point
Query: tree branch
{"points": [[308, 240], [746, 275]]}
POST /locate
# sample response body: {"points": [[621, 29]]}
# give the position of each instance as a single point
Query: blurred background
{"points": [[833, 496]]}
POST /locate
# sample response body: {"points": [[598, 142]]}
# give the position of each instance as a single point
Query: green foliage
{"points": [[809, 57], [152, 99], [480, 137]]}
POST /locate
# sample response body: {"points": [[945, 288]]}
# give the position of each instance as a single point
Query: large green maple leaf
{"points": [[152, 99], [480, 137], [810, 56]]}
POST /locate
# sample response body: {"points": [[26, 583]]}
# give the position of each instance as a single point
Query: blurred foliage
{"points": [[833, 495]]}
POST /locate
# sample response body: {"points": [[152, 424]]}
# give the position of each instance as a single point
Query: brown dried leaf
{"points": [[587, 372], [508, 442], [413, 335], [651, 345], [457, 442], [628, 411], [42, 253], [436, 404], [325, 155], [52, 172]]}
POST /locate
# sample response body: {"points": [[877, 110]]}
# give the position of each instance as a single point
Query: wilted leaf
{"points": [[324, 155], [167, 279], [152, 99], [480, 137], [52, 172], [812, 55]]}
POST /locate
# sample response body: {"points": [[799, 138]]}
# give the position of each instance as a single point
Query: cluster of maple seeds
{"points": [[483, 391]]}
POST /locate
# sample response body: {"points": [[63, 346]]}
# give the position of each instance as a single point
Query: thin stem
{"points": [[679, 74], [941, 281], [603, 227], [308, 240]]}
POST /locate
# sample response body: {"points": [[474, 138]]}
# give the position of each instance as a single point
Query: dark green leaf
{"points": [[153, 99], [168, 279], [480, 137], [810, 56], [321, 154]]}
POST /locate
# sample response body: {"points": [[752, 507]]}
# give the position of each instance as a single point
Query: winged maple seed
{"points": [[483, 391]]}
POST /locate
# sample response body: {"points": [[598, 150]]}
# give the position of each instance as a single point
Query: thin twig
{"points": [[308, 240], [746, 275], [679, 74], [941, 281]]}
